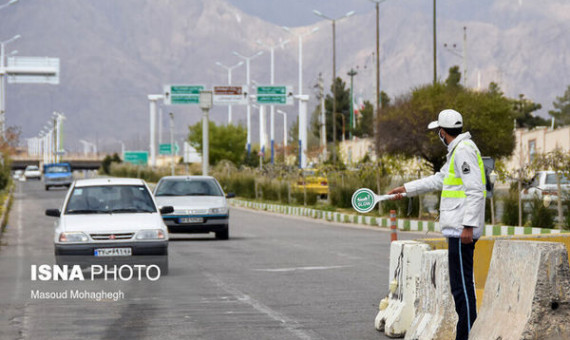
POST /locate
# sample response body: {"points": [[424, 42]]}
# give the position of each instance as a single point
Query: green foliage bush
{"points": [[540, 216], [134, 171], [5, 170], [511, 209]]}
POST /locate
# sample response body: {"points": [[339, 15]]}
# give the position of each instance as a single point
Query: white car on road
{"points": [[199, 205], [110, 220], [32, 172]]}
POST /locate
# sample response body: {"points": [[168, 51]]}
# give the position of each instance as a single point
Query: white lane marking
{"points": [[275, 270], [289, 324]]}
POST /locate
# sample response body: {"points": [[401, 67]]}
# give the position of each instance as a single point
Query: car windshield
{"points": [[188, 187], [56, 169], [551, 179], [110, 199], [32, 168]]}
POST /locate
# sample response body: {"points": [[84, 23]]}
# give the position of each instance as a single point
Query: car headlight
{"points": [[153, 234], [222, 210], [73, 236]]}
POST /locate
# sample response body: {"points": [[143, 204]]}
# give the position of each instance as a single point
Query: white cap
{"points": [[450, 119]]}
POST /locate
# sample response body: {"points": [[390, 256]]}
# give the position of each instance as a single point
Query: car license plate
{"points": [[113, 252], [191, 220]]}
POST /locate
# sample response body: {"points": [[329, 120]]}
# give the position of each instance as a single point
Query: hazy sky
{"points": [[300, 12]]}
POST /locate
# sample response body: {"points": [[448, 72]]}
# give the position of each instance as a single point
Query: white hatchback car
{"points": [[199, 205], [107, 220]]}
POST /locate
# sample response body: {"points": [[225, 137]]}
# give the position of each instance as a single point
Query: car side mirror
{"points": [[166, 210], [53, 212], [230, 195]]}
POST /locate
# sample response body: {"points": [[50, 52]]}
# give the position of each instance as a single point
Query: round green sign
{"points": [[363, 200]]}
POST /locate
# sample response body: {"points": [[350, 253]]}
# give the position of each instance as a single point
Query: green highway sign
{"points": [[166, 149], [282, 90], [182, 94], [136, 157], [186, 89], [185, 99], [271, 100], [275, 95]]}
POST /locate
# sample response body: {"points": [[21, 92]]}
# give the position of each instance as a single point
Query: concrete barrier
{"points": [[435, 317], [484, 252], [397, 310], [527, 293]]}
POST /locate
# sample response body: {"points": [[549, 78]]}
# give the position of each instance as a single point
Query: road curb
{"points": [[403, 224]]}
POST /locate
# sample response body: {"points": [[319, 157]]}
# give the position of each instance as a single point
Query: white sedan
{"points": [[110, 220], [199, 205], [32, 172]]}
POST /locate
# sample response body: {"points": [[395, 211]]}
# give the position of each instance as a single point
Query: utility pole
{"points": [[334, 72], [351, 73], [434, 45], [172, 142], [323, 116], [206, 102]]}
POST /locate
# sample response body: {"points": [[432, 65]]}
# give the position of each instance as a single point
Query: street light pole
{"points": [[229, 69], [247, 60], [284, 135], [334, 72], [302, 102], [434, 45], [11, 2], [3, 83], [172, 142], [206, 100], [351, 74], [272, 117]]}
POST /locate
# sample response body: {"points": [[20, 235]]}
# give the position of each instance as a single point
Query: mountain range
{"points": [[115, 53]]}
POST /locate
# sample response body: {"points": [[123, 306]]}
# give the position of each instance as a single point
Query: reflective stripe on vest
{"points": [[452, 180]]}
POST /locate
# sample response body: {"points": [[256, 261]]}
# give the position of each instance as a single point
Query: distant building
{"points": [[353, 151], [536, 141]]}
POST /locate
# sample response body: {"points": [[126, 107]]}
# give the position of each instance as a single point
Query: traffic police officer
{"points": [[462, 209]]}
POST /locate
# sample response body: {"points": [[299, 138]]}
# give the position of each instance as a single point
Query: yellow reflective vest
{"points": [[462, 184]]}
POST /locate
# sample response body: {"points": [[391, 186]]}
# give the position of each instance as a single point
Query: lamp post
{"points": [[284, 135], [463, 55], [3, 82], [302, 121], [229, 69], [247, 61], [351, 74], [334, 71], [11, 2], [272, 116], [172, 142], [206, 100], [153, 98]]}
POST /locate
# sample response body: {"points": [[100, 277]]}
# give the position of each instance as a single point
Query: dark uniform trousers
{"points": [[460, 258]]}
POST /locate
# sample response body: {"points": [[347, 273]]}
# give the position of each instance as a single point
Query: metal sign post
{"points": [[206, 102]]}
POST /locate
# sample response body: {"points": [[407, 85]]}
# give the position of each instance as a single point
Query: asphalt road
{"points": [[276, 278]]}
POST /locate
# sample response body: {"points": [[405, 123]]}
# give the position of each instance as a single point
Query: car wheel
{"points": [[47, 187], [163, 265], [223, 235]]}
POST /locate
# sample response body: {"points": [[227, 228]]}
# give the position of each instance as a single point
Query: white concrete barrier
{"points": [[527, 293], [397, 310], [435, 317]]}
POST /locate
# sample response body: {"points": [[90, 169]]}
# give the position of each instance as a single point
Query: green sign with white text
{"points": [[136, 157], [182, 94]]}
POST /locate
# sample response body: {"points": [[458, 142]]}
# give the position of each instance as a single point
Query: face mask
{"points": [[440, 135]]}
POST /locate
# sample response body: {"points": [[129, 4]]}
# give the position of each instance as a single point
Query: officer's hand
{"points": [[397, 191], [467, 235]]}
